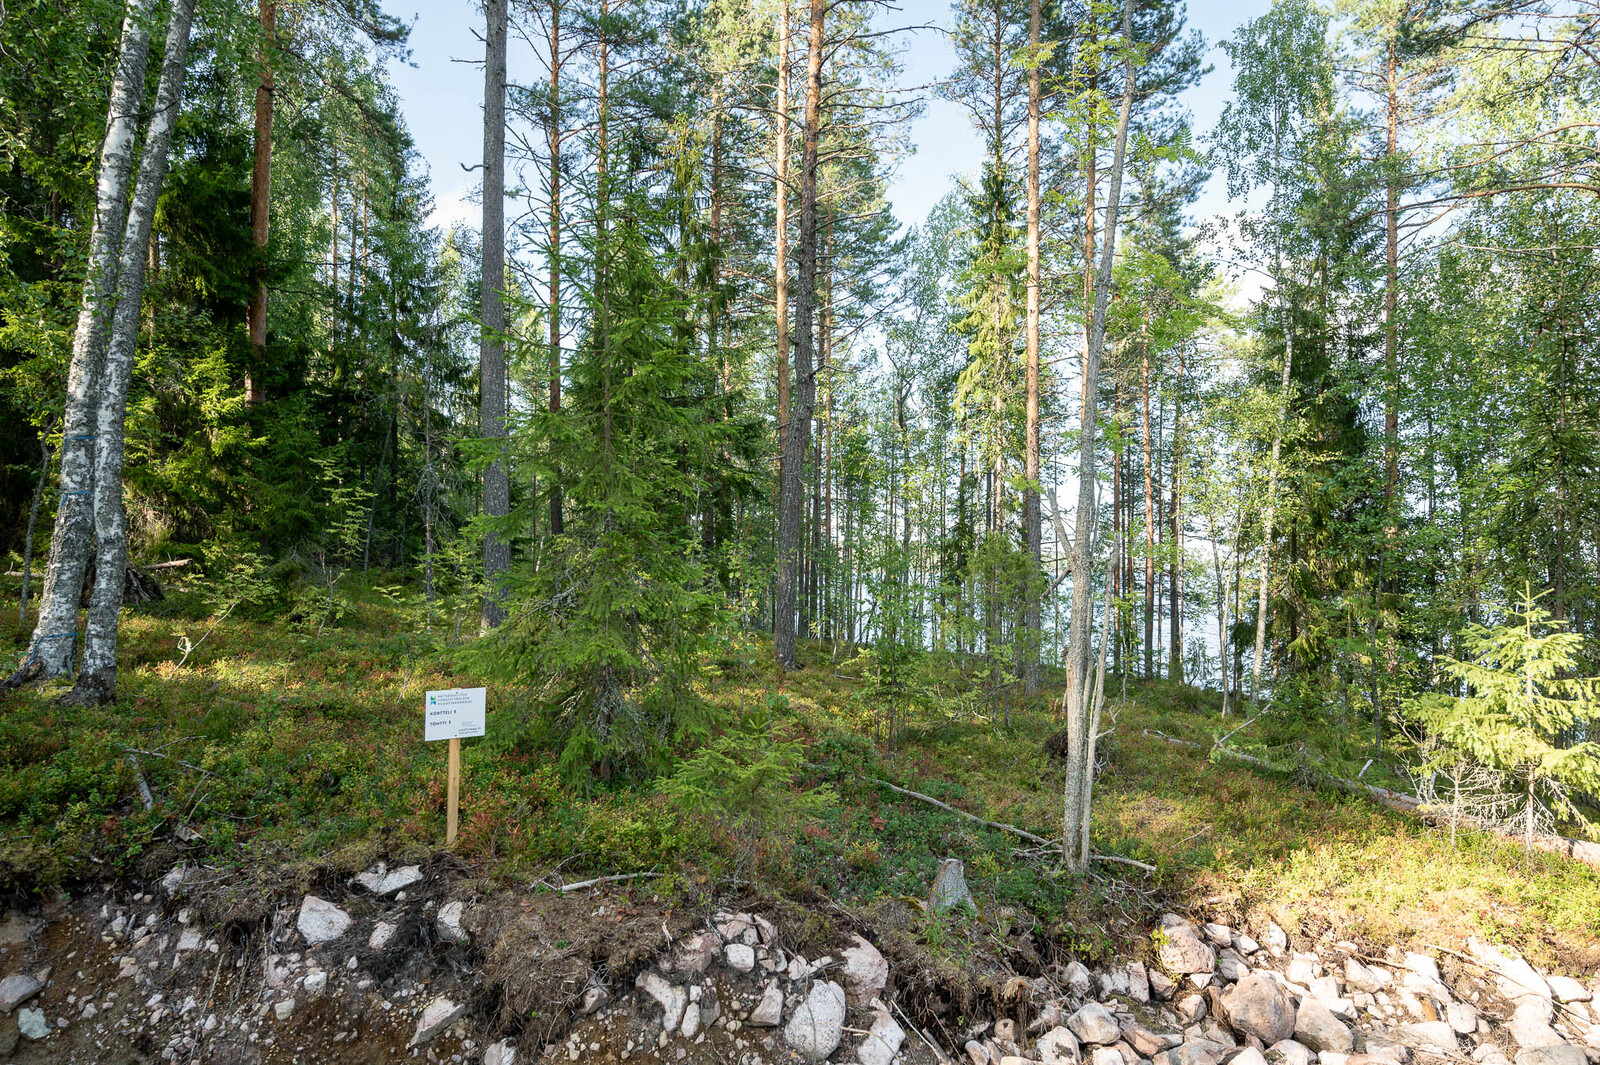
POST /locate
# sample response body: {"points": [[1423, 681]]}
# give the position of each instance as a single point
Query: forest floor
{"points": [[292, 759]]}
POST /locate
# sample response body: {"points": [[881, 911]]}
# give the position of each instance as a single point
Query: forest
{"points": [[738, 493]]}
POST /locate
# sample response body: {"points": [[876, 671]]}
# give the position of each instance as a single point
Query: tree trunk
{"points": [[780, 194], [261, 202], [553, 134], [1175, 530], [33, 521], [1149, 523], [1080, 771], [97, 682], [797, 439], [1033, 541], [51, 649], [492, 359]]}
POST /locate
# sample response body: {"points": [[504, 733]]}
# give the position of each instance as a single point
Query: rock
{"points": [[501, 1053], [594, 996], [449, 922], [321, 921], [882, 1041], [741, 957], [695, 954], [190, 940], [1248, 1056], [1317, 1027], [381, 881], [710, 1008], [1231, 967], [1490, 1054], [1078, 977], [1181, 950], [1382, 1049], [976, 1053], [818, 1022], [1289, 1052], [316, 983], [865, 973], [1461, 1017], [1557, 1054], [1191, 1008], [1515, 978], [739, 927], [1277, 941], [1005, 1030], [672, 998], [1059, 1046], [1361, 977], [17, 989], [766, 931], [1436, 1035], [949, 890], [1161, 985], [172, 883], [768, 1013], [1530, 1026], [382, 934], [1138, 982], [1192, 1052], [283, 1009], [1220, 934], [1095, 1024], [1105, 1056], [1144, 1042], [31, 1023], [1302, 969], [691, 1021], [1566, 989], [1244, 944], [437, 1015], [1259, 1006]]}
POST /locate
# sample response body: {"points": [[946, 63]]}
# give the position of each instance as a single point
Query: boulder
{"points": [[1289, 1052], [672, 999], [1192, 1052], [437, 1015], [768, 1013], [1144, 1042], [380, 880], [949, 891], [1161, 985], [1566, 989], [1182, 951], [1248, 1056], [1461, 1017], [1514, 977], [865, 973], [382, 935], [690, 1026], [1361, 977], [1557, 1054], [1277, 939], [1059, 1046], [1078, 977], [1430, 1035], [696, 953], [501, 1053], [1317, 1027], [17, 989], [449, 922], [1138, 982], [741, 957], [1095, 1024], [1231, 966], [1106, 1056], [31, 1023], [882, 1041], [1191, 1009], [321, 921], [1530, 1025], [818, 1022], [1259, 1006]]}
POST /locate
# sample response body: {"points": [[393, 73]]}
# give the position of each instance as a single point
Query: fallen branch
{"points": [[607, 880], [1577, 849], [145, 796]]}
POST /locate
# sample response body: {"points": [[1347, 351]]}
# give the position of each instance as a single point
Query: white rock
{"points": [[740, 956], [696, 953], [1361, 977], [1161, 985], [1079, 978], [17, 989], [501, 1053], [1220, 934], [1560, 1054], [316, 982], [1181, 949], [382, 934], [1095, 1024], [1138, 982], [1303, 968], [172, 883], [768, 1013], [865, 973], [1461, 1017], [1059, 1046], [1289, 1052], [321, 921], [691, 1021], [1435, 1035], [1244, 944], [1529, 1025], [672, 998], [1102, 1056], [437, 1015], [818, 1022], [1316, 1027], [449, 922], [882, 1041], [283, 1009], [190, 940], [1566, 989], [31, 1023], [1277, 940], [1248, 1056], [381, 881], [1515, 978]]}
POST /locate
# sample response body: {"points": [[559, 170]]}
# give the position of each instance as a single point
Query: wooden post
{"points": [[453, 794]]}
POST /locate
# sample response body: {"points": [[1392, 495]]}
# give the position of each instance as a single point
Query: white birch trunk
{"points": [[51, 651], [98, 679]]}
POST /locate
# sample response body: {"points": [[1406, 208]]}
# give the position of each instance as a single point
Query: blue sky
{"points": [[443, 96]]}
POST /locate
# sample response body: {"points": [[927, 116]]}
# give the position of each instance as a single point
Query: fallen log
{"points": [[1577, 849]]}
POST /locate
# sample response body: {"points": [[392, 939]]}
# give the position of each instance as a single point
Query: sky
{"points": [[442, 92]]}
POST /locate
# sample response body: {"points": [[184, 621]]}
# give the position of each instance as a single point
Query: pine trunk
{"points": [[260, 203], [492, 359], [1033, 541]]}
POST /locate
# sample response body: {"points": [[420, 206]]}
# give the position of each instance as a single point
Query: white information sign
{"points": [[453, 714]]}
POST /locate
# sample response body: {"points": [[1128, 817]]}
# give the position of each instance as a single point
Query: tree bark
{"points": [[553, 133], [797, 439], [1033, 540], [33, 521], [50, 651], [97, 681], [261, 202], [780, 193], [492, 359], [1080, 770], [1149, 521]]}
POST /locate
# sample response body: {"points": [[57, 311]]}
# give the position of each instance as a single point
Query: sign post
{"points": [[450, 715]]}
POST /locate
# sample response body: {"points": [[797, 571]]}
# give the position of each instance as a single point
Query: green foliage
{"points": [[747, 777]]}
